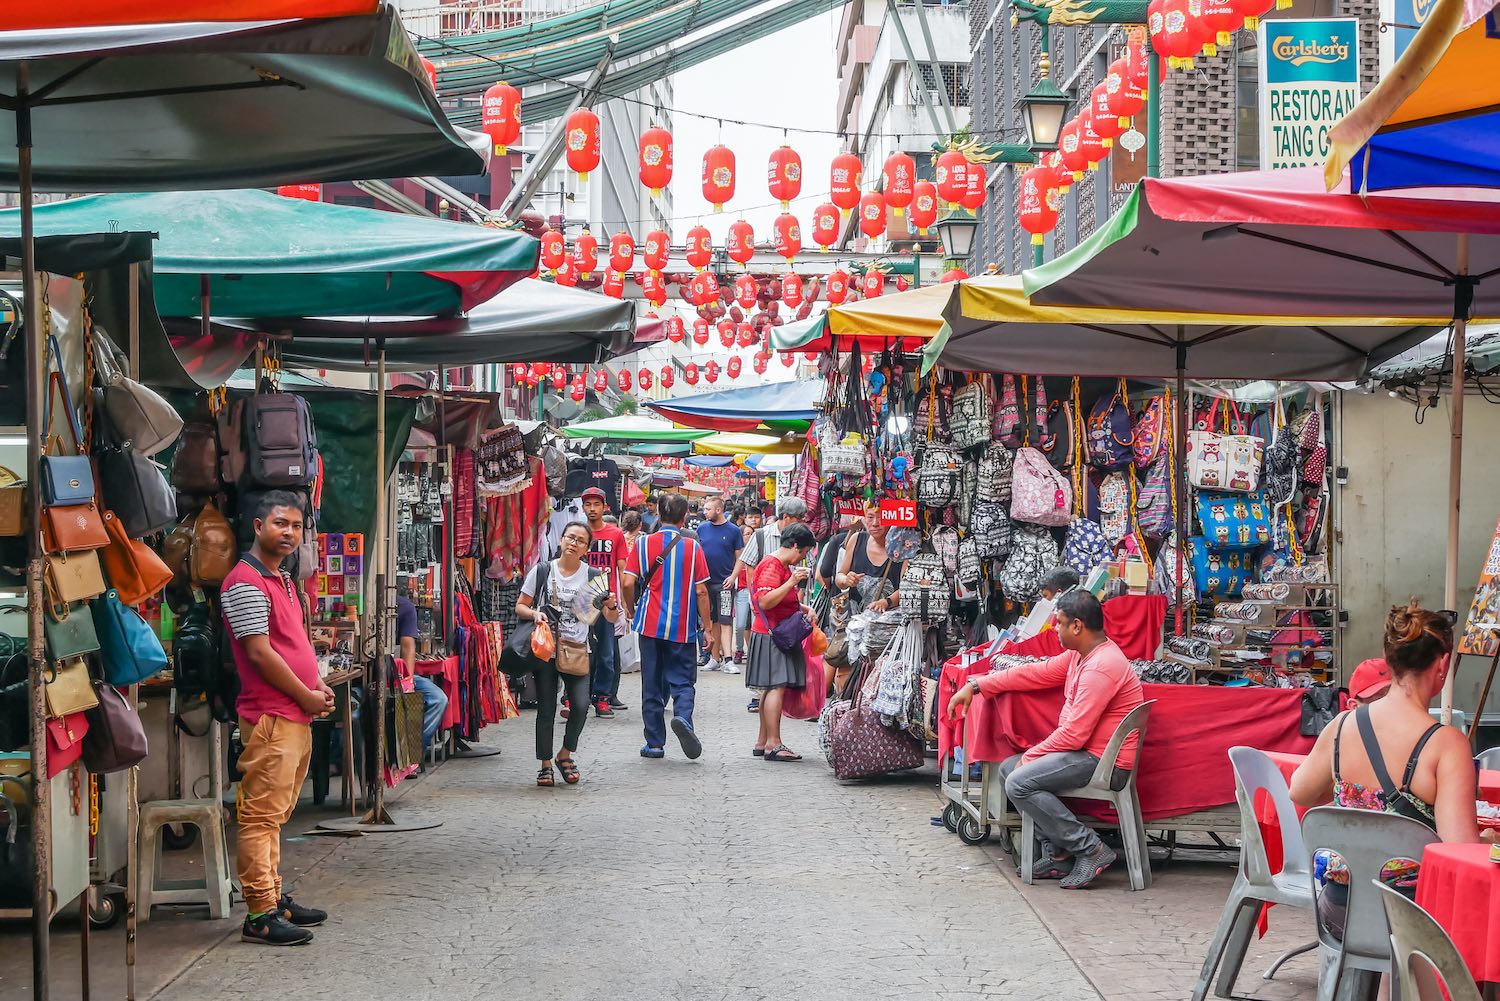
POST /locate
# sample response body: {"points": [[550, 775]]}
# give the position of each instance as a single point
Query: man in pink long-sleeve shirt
{"points": [[1100, 689]]}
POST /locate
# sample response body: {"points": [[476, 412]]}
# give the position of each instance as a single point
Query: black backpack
{"points": [[203, 664]]}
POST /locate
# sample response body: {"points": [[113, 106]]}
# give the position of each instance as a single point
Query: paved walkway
{"points": [[726, 878]]}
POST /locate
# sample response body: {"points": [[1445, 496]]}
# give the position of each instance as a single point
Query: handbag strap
{"points": [[662, 558]]}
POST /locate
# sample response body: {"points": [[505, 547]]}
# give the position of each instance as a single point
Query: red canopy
{"points": [[26, 15]]}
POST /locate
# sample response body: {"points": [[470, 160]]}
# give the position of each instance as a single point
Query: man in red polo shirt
{"points": [[280, 694]]}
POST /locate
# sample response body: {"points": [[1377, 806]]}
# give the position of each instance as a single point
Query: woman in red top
{"points": [[774, 597]]}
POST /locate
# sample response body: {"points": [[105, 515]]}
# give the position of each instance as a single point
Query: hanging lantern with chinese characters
{"points": [[1138, 64], [747, 336], [1124, 97], [1035, 207], [586, 254], [788, 236], [1101, 116], [700, 331], [740, 243], [732, 368], [791, 290], [825, 225], [519, 371], [601, 381], [1223, 18], [784, 175], [690, 373], [577, 392], [1064, 175], [621, 252], [644, 379], [1090, 143], [1156, 28], [844, 177], [711, 372], [978, 188], [924, 206], [623, 380], [581, 141], [727, 333], [700, 247], [667, 377], [566, 273], [653, 287], [900, 181], [1070, 145], [1254, 10], [872, 284], [613, 284], [952, 176], [788, 358], [553, 250], [656, 159], [657, 250], [500, 116], [745, 291], [759, 364], [559, 375], [1182, 34], [872, 214], [838, 286], [703, 288], [718, 176], [302, 192], [676, 330]]}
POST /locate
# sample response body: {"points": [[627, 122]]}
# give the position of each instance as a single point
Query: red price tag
{"points": [[849, 507], [898, 513]]}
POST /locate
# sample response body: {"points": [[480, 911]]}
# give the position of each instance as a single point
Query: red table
{"points": [[1460, 887], [445, 672]]}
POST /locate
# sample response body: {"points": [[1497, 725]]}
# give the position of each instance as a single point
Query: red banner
{"points": [[898, 513]]}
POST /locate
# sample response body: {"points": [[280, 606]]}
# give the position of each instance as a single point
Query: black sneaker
{"points": [[1088, 866], [302, 917], [602, 709], [273, 929], [616, 704]]}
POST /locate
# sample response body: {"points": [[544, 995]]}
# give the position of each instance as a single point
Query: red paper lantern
{"points": [[1156, 26], [791, 290], [703, 288], [656, 159], [727, 333], [1036, 210], [653, 287], [520, 371], [614, 283], [1254, 9], [745, 291], [718, 176], [1223, 18], [788, 236], [978, 189], [740, 243], [676, 330], [644, 379], [872, 213], [746, 335], [1184, 34], [1138, 65], [1090, 142], [1070, 146], [430, 69], [784, 175], [788, 358], [578, 393], [700, 332], [623, 380], [586, 254], [825, 225], [657, 250], [732, 369], [304, 192], [559, 376], [601, 381], [581, 142], [900, 181], [700, 247], [1125, 99], [1103, 118], [953, 275], [838, 286], [667, 377], [844, 177], [541, 369], [759, 365], [711, 372], [621, 252], [500, 116], [924, 205], [553, 250], [567, 272], [952, 175], [872, 284], [690, 373], [1064, 175]]}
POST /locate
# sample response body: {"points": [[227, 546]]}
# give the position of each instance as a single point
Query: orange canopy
{"points": [[23, 15]]}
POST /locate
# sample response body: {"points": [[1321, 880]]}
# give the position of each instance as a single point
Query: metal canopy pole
{"points": [[1463, 295], [1179, 481]]}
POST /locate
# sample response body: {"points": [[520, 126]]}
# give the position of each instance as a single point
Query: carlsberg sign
{"points": [[1309, 79]]}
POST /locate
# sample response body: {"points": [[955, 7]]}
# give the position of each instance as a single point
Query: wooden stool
{"points": [[213, 889]]}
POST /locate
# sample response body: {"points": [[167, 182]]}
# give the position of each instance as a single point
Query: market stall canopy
{"points": [[530, 321], [995, 328], [1434, 119], [777, 405], [747, 444], [101, 13], [632, 427], [772, 464], [1272, 242], [907, 320], [265, 255], [669, 448], [198, 104]]}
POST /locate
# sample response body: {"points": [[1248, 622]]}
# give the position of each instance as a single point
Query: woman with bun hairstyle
{"points": [[1391, 757]]}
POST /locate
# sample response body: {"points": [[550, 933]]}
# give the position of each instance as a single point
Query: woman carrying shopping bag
{"points": [[782, 622], [573, 597]]}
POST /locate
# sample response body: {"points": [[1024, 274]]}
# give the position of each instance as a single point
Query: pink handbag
{"points": [[1039, 494]]}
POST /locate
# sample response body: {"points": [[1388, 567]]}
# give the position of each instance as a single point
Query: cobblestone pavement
{"points": [[725, 878]]}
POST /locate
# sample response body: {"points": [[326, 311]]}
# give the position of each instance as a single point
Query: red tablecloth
{"points": [[1460, 887], [445, 673], [1185, 763]]}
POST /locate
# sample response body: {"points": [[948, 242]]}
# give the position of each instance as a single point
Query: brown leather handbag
{"points": [[201, 549], [133, 568], [72, 528], [71, 577], [12, 504], [69, 689]]}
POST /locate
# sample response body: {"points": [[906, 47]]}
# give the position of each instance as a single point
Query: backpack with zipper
{"points": [[1152, 426], [1085, 546], [925, 588], [1111, 440], [996, 469], [1039, 493], [971, 415], [278, 439], [1059, 442], [195, 460], [990, 529], [940, 477], [1008, 427], [1033, 553], [1153, 501]]}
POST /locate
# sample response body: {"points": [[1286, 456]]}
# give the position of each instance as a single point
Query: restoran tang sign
{"points": [[1309, 79]]}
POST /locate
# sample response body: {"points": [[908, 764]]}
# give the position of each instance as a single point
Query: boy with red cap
{"points": [[1370, 682]]}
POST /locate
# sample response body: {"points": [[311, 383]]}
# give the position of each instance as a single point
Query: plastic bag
{"points": [[543, 645]]}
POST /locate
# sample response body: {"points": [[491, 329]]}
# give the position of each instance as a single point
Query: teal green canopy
{"points": [[632, 427], [270, 256]]}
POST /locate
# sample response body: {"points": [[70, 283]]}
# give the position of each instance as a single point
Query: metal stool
{"points": [[213, 889]]}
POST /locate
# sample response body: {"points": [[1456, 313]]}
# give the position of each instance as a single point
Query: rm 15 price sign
{"points": [[898, 513]]}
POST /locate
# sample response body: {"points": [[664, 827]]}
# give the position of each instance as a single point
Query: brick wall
{"points": [[1198, 117]]}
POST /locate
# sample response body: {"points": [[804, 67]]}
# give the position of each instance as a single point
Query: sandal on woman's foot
{"points": [[569, 769], [759, 752], [544, 776], [782, 753]]}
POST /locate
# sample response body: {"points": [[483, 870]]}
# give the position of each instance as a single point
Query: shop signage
{"points": [[1481, 635], [898, 513], [1309, 79], [849, 507]]}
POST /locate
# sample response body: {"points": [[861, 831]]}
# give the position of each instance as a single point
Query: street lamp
{"points": [[956, 231], [1043, 109]]}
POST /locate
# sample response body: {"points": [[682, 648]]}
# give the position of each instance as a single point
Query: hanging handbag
{"points": [[65, 741], [68, 689], [12, 504], [1313, 448], [1085, 546], [971, 422], [1220, 573], [71, 528], [1033, 552], [133, 568], [1151, 428], [572, 658], [129, 648], [116, 740], [140, 418], [73, 576], [925, 588], [1008, 429], [1039, 493], [201, 549], [66, 479], [1280, 473], [70, 631], [861, 746], [136, 488], [195, 460], [1234, 521]]}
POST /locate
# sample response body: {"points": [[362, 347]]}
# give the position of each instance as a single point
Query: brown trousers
{"points": [[274, 764]]}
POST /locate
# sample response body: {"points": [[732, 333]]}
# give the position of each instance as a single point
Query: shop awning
{"points": [[632, 427], [995, 328], [530, 321], [670, 448], [907, 320], [265, 255], [727, 445], [1434, 119], [198, 104], [777, 405]]}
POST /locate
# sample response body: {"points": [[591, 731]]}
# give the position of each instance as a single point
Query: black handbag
{"points": [[15, 697], [115, 740], [1320, 704], [135, 487], [517, 660]]}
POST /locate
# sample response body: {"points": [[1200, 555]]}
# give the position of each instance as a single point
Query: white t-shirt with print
{"points": [[562, 590]]}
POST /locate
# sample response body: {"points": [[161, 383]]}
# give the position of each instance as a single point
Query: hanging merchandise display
{"points": [[581, 143], [656, 159], [718, 176], [784, 175], [845, 174]]}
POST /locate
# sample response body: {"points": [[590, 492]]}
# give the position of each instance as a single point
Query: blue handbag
{"points": [[1234, 521], [128, 646], [66, 479], [1220, 573]]}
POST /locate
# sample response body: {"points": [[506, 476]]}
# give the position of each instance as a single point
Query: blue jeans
{"points": [[604, 660], [434, 705], [668, 670]]}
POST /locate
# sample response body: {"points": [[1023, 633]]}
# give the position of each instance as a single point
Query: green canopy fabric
{"points": [[266, 255], [632, 427]]}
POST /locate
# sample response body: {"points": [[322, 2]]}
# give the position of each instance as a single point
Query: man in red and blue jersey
{"points": [[666, 579]]}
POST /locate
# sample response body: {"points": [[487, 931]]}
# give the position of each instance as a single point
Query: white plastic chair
{"points": [[1126, 802], [1366, 841], [1488, 759], [1255, 883], [1419, 948]]}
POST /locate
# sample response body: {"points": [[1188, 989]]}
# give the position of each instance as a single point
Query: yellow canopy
{"points": [[748, 444]]}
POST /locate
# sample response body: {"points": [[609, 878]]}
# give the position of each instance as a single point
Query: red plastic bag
{"points": [[807, 702]]}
